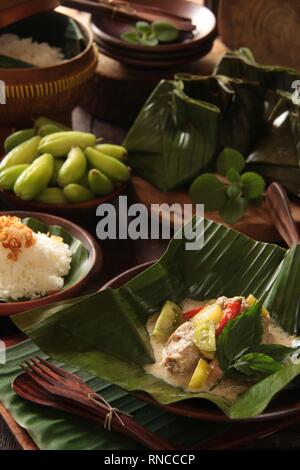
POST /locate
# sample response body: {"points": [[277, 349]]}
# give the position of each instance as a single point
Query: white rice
{"points": [[32, 52], [38, 271]]}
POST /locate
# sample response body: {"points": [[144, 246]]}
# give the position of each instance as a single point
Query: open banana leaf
{"points": [[105, 333], [186, 122], [55, 430], [80, 264]]}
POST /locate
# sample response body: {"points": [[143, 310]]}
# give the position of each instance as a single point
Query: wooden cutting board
{"points": [[256, 223]]}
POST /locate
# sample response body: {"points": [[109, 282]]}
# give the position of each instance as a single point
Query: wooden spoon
{"points": [[123, 10], [29, 390], [279, 211]]}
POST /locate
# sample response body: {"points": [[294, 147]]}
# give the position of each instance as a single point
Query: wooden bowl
{"points": [[95, 265], [77, 212], [52, 91]]}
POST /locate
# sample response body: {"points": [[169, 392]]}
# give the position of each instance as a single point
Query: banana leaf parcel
{"points": [[186, 122], [105, 334]]}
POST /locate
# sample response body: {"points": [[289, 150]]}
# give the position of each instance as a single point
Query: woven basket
{"points": [[50, 91]]}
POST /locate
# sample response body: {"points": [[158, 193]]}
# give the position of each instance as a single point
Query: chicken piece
{"points": [[216, 373], [267, 336], [181, 356]]}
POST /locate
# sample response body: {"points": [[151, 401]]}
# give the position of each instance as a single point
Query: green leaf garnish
{"points": [[253, 185], [233, 209], [164, 31], [233, 176], [131, 36], [207, 189], [256, 365], [279, 352], [149, 41], [238, 336], [230, 158], [233, 191], [143, 27]]}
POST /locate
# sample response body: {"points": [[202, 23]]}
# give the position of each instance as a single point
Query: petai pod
{"points": [[9, 176], [58, 163], [44, 121], [36, 178], [73, 169], [99, 183], [23, 153], [115, 151], [59, 144], [48, 129], [17, 138], [52, 196], [75, 193], [111, 167]]}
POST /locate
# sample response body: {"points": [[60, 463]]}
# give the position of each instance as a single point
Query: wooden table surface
{"points": [[120, 255]]}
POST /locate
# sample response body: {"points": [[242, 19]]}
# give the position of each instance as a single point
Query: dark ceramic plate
{"points": [[188, 47], [77, 212], [284, 404], [95, 261], [164, 63]]}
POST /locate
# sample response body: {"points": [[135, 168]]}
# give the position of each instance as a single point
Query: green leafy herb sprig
{"points": [[239, 352], [147, 34], [231, 197]]}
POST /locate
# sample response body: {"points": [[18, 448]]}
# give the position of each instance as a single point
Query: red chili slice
{"points": [[232, 310], [191, 313]]}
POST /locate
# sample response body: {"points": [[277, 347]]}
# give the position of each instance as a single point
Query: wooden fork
{"points": [[67, 390]]}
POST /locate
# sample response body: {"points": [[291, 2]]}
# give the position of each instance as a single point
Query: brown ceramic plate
{"points": [[284, 404], [204, 20], [78, 212], [95, 264], [155, 63]]}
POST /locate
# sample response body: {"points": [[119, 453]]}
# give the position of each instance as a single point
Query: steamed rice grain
{"points": [[29, 51], [38, 271]]}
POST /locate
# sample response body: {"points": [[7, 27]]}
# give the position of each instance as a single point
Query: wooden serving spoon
{"points": [[279, 210], [118, 9]]}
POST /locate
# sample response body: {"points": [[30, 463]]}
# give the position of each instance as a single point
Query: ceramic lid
{"points": [[15, 10]]}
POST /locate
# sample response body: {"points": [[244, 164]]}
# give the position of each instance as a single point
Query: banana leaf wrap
{"points": [[186, 122], [105, 333], [80, 264], [277, 154]]}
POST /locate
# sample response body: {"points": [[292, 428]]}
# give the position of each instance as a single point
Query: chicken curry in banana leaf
{"points": [[188, 342]]}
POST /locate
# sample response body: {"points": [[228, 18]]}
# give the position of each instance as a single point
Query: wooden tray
{"points": [[19, 433], [256, 223]]}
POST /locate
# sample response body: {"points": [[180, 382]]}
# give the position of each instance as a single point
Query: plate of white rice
{"points": [[43, 259]]}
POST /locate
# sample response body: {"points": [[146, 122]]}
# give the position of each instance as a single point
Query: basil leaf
{"points": [[278, 352], [233, 210], [207, 189], [239, 335], [230, 158], [253, 185], [257, 365], [233, 191], [233, 176]]}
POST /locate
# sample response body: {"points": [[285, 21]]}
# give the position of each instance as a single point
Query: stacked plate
{"points": [[189, 46]]}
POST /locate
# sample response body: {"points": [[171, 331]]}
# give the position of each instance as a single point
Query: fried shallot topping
{"points": [[14, 236]]}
